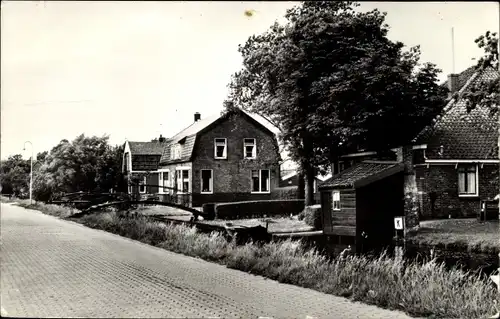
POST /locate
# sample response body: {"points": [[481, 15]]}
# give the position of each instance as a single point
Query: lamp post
{"points": [[31, 170]]}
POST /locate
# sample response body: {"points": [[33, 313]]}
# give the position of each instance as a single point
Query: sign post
{"points": [[399, 232]]}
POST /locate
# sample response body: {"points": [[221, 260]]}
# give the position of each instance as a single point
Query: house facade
{"points": [[456, 159], [140, 165], [224, 158]]}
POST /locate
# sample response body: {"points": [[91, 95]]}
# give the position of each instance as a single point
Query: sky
{"points": [[135, 70]]}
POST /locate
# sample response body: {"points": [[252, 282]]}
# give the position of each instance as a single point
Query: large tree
{"points": [[332, 82]]}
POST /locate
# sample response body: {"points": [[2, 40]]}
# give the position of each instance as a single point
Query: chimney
{"points": [[197, 116], [452, 84], [161, 139]]}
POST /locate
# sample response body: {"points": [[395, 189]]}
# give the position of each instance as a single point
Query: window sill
{"points": [[203, 193], [336, 209], [220, 158], [250, 158], [468, 195], [260, 192]]}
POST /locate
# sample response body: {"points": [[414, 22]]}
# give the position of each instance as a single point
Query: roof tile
{"points": [[463, 135]]}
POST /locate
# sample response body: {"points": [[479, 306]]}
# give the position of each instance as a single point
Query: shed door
{"points": [[326, 206]]}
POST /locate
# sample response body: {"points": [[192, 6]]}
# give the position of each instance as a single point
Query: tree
{"points": [[14, 175], [486, 92], [332, 82], [86, 164]]}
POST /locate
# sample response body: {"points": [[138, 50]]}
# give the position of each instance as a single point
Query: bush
{"points": [[289, 192], [257, 209], [313, 216]]}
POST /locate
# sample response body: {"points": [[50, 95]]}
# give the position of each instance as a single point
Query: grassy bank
{"points": [[427, 290], [458, 234]]}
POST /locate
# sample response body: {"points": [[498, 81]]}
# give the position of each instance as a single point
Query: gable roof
{"points": [[147, 148], [187, 137], [362, 174], [463, 135]]}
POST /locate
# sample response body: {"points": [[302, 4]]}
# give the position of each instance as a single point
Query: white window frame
{"points": [[254, 144], [260, 182], [476, 193], [175, 151], [336, 199], [211, 182], [161, 181], [143, 184], [224, 154], [180, 180]]}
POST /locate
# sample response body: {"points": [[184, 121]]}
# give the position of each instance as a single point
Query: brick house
{"points": [[456, 159], [140, 160], [233, 157]]}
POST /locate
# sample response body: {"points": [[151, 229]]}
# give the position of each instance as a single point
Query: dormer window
{"points": [[220, 148], [175, 151], [249, 148]]}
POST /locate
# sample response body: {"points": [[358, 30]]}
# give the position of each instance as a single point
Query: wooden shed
{"points": [[359, 204]]}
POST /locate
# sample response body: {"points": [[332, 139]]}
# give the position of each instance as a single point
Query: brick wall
{"points": [[232, 176], [440, 183]]}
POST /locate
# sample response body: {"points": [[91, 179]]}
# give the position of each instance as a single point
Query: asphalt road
{"points": [[55, 268]]}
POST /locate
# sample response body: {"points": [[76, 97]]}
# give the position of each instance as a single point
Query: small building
{"points": [[359, 204], [140, 161]]}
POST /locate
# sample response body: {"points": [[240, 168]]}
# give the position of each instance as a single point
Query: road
{"points": [[55, 268]]}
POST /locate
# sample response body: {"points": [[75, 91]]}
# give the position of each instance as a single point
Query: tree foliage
{"points": [[485, 92], [85, 164], [14, 176], [332, 82]]}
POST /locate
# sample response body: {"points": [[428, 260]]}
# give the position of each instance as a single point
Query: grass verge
{"points": [[464, 234], [427, 290]]}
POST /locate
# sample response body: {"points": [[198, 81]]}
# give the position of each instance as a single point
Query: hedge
{"points": [[288, 192], [258, 209]]}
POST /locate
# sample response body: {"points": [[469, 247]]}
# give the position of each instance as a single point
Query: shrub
{"points": [[313, 216], [263, 208], [289, 192]]}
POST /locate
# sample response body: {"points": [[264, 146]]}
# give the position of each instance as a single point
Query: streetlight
{"points": [[31, 170]]}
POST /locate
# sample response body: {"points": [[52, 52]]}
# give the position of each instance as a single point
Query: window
{"points": [[249, 148], [260, 181], [175, 151], [183, 181], [467, 181], [142, 186], [207, 181], [336, 200], [125, 162], [220, 148], [164, 182]]}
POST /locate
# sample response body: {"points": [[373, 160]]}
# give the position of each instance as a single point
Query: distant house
{"points": [[456, 159], [140, 160], [232, 157]]}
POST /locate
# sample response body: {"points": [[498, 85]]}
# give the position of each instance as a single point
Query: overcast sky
{"points": [[134, 69]]}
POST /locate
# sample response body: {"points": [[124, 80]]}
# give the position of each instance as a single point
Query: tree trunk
{"points": [[309, 189], [301, 187]]}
